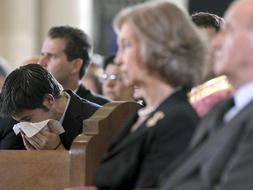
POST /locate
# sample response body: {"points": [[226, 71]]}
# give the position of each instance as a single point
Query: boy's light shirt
{"points": [[66, 107]]}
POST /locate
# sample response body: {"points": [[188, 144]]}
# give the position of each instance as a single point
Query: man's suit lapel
{"points": [[72, 118], [222, 145], [193, 159], [73, 112], [230, 134], [77, 111], [210, 123], [82, 91]]}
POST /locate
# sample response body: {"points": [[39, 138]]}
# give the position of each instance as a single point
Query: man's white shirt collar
{"points": [[242, 97], [66, 107]]}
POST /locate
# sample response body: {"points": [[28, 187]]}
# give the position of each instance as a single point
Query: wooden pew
{"points": [[34, 170], [103, 126], [58, 169]]}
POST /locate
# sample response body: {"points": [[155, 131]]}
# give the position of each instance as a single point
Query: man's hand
{"points": [[28, 146], [46, 139]]}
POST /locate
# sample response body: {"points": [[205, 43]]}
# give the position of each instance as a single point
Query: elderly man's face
{"points": [[233, 46]]}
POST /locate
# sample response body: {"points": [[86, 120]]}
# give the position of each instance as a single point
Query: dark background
{"points": [[213, 6]]}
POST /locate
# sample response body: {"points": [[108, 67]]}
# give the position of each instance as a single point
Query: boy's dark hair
{"points": [[108, 60], [207, 20], [77, 44], [25, 88]]}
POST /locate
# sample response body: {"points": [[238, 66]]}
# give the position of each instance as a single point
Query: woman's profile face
{"points": [[128, 56]]}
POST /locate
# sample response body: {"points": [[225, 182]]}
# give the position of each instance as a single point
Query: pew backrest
{"points": [[103, 126]]}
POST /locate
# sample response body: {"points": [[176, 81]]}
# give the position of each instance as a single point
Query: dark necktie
{"points": [[206, 132], [228, 104]]}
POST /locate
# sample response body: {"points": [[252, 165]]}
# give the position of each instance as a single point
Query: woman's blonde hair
{"points": [[169, 42]]}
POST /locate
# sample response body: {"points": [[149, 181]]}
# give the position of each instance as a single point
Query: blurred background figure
{"points": [[209, 25], [212, 88], [208, 22], [91, 79], [93, 73], [112, 84], [4, 71]]}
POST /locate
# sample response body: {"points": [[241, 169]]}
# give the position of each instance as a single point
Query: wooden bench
{"points": [[103, 126], [58, 169]]}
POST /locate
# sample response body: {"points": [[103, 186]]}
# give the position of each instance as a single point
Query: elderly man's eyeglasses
{"points": [[105, 77]]}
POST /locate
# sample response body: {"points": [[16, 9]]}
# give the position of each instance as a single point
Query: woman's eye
{"points": [[125, 45]]}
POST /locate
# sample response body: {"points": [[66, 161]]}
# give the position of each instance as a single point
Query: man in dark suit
{"points": [[32, 94], [65, 54], [9, 140], [220, 155]]}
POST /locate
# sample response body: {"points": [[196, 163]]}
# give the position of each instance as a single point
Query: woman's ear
{"points": [[48, 101]]}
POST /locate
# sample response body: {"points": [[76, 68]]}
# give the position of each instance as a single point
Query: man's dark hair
{"points": [[207, 20], [77, 44], [108, 60], [25, 88]]}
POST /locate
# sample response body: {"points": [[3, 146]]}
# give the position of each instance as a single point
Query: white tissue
{"points": [[30, 129]]}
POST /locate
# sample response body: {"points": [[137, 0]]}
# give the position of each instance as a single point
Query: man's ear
{"points": [[76, 65], [48, 100]]}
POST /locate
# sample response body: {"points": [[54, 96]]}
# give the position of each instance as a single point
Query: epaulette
{"points": [[210, 87]]}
